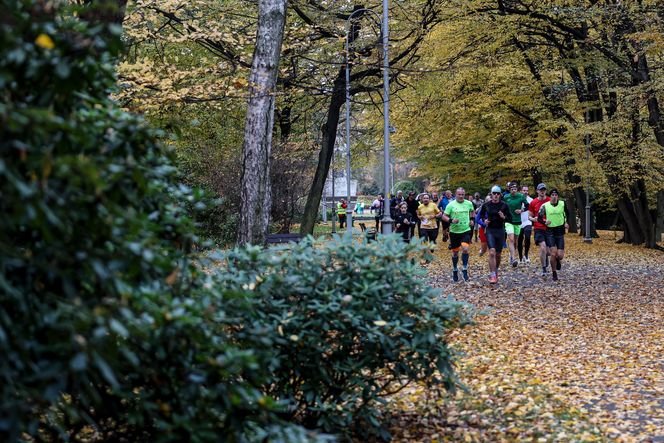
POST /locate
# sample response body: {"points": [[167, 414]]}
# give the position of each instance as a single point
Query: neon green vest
{"points": [[555, 214], [340, 210]]}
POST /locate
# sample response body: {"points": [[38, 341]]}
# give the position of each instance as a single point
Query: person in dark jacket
{"points": [[403, 222], [395, 202], [413, 204], [494, 213]]}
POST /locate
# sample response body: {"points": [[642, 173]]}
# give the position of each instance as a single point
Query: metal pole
{"points": [[588, 237], [387, 219], [334, 204], [349, 210]]}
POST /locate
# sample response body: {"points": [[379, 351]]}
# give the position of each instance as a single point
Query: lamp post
{"points": [[387, 219], [386, 222]]}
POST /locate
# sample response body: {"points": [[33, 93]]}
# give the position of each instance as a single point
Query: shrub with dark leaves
{"points": [[347, 324], [105, 327]]}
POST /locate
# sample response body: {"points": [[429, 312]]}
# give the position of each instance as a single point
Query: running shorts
{"points": [[540, 236], [495, 239], [555, 237], [512, 228], [482, 235], [457, 239], [429, 234]]}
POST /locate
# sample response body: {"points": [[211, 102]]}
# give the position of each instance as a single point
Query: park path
{"points": [[581, 359]]}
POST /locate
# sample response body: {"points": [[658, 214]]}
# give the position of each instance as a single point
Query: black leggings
{"points": [[524, 239]]}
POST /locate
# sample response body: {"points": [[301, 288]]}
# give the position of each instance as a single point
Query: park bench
{"points": [[273, 239]]}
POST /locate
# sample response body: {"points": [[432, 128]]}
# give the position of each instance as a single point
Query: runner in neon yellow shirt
{"points": [[554, 216]]}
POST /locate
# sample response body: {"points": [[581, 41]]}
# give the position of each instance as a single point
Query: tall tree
{"points": [[414, 24], [590, 85], [255, 178]]}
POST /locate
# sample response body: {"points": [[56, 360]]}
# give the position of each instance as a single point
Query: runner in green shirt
{"points": [[554, 216], [517, 203], [460, 213]]}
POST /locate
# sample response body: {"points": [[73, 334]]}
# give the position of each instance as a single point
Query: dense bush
{"points": [[104, 325], [218, 222], [347, 323]]}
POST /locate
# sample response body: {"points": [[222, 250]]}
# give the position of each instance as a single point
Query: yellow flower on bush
{"points": [[44, 41]]}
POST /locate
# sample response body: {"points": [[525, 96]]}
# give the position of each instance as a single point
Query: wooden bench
{"points": [[273, 239]]}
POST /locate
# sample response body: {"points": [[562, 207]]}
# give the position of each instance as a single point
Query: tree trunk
{"points": [[570, 205], [255, 176], [329, 132], [640, 205], [633, 234], [659, 225]]}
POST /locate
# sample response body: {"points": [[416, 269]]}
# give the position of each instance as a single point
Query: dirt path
{"points": [[581, 359]]}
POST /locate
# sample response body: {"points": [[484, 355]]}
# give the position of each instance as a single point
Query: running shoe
{"points": [[493, 279], [515, 263], [543, 273], [554, 276], [527, 260], [558, 265], [481, 253], [464, 272], [455, 276]]}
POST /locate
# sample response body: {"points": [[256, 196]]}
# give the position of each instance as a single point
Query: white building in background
{"points": [[340, 191], [340, 184]]}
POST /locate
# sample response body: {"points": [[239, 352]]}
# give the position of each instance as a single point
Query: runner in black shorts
{"points": [[554, 216], [457, 239], [539, 229], [494, 213], [555, 237], [460, 213], [540, 236]]}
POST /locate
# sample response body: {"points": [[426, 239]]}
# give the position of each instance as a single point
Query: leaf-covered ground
{"points": [[581, 359]]}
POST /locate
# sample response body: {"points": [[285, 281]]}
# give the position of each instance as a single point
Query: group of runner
{"points": [[503, 219]]}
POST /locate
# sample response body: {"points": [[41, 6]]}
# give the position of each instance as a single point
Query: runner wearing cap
{"points": [[538, 228], [494, 213], [460, 213], [554, 216], [517, 203]]}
